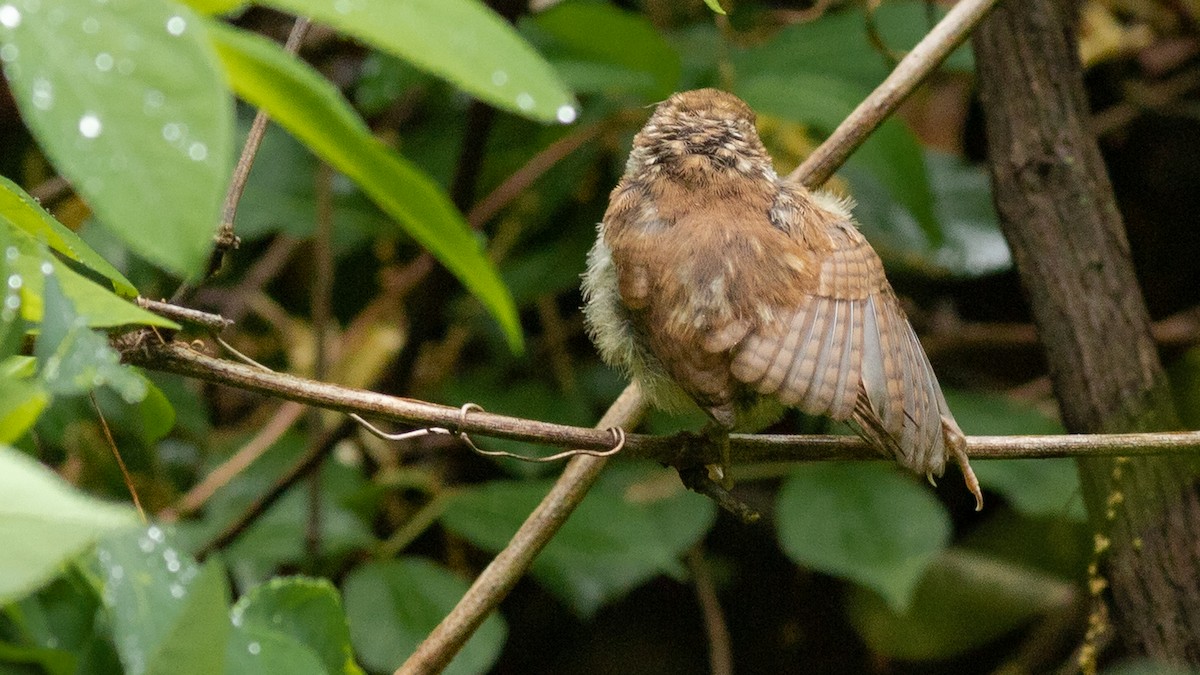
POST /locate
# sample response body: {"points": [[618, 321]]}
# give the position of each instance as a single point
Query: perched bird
{"points": [[713, 281]]}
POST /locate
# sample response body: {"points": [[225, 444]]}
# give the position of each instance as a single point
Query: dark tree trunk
{"points": [[1069, 244]]}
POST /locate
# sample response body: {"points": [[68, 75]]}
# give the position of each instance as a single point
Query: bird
{"points": [[714, 282]]}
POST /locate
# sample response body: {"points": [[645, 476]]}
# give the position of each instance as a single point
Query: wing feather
{"points": [[803, 325]]}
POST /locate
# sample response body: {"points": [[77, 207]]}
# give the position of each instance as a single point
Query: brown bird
{"points": [[715, 282]]}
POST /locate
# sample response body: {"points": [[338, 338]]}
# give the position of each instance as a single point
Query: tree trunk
{"points": [[1060, 218]]}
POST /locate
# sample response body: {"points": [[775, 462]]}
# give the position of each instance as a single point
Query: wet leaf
{"points": [[169, 614], [72, 359], [53, 521], [462, 41], [126, 98], [289, 615], [26, 214]]}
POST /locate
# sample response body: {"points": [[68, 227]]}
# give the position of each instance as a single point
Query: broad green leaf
{"points": [[306, 610], [126, 98], [891, 153], [72, 359], [964, 601], [25, 213], [462, 41], [862, 522], [256, 649], [393, 605], [609, 546], [599, 47], [309, 107], [51, 519], [99, 306], [169, 614], [200, 631]]}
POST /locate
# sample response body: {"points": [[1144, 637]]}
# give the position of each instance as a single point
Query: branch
{"points": [[679, 450]]}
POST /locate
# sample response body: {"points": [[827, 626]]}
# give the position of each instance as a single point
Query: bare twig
{"points": [[720, 649], [185, 315], [112, 445], [929, 53], [226, 240], [280, 422], [322, 313], [537, 166]]}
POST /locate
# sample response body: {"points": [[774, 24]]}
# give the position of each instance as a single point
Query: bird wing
{"points": [[848, 351]]}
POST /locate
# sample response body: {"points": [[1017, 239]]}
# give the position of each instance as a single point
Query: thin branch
{"points": [[277, 426], [112, 445], [720, 649], [322, 315], [499, 577], [929, 53], [535, 168], [682, 450], [226, 240], [185, 315]]}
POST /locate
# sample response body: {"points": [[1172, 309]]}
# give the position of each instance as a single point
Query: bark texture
{"points": [[1061, 221]]}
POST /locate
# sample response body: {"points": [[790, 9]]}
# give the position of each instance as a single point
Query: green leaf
{"points": [[891, 153], [99, 306], [21, 401], [127, 100], [305, 104], [52, 520], [964, 601], [26, 214], [196, 641], [168, 614], [215, 6], [254, 649], [462, 41], [309, 611], [862, 522], [73, 359], [715, 5], [393, 605], [599, 47], [608, 547]]}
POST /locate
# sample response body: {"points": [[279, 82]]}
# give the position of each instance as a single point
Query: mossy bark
{"points": [[1061, 220]]}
